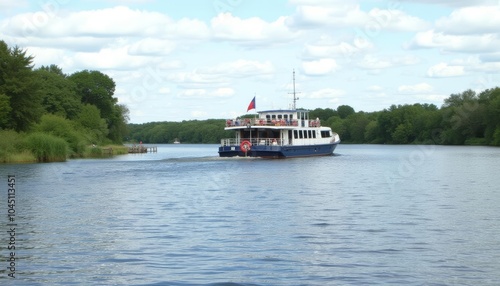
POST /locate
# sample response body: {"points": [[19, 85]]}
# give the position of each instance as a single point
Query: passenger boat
{"points": [[279, 134]]}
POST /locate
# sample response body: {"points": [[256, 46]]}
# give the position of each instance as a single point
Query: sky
{"points": [[186, 60]]}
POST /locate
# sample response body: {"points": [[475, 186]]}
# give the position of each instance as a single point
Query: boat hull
{"points": [[289, 151]]}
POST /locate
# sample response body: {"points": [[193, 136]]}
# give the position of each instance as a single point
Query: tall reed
{"points": [[46, 147]]}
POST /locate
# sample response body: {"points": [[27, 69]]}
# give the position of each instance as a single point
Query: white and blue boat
{"points": [[279, 134]]}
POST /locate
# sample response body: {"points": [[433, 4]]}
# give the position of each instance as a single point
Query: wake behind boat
{"points": [[278, 134]]}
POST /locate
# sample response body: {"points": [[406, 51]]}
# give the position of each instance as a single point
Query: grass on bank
{"points": [[105, 151], [42, 147]]}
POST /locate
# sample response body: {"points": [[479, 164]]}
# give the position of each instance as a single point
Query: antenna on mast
{"points": [[295, 98]]}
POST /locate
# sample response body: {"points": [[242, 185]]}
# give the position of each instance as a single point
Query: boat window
{"points": [[305, 134], [273, 116], [285, 116], [325, 134], [291, 116], [295, 134], [310, 133], [314, 133], [300, 134], [279, 116]]}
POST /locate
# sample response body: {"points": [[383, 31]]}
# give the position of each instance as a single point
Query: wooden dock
{"points": [[142, 149]]}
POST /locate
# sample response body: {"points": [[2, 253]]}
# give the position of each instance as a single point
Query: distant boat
{"points": [[176, 141], [279, 134]]}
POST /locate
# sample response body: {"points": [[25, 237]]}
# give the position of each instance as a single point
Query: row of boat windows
{"points": [[301, 134], [279, 117]]}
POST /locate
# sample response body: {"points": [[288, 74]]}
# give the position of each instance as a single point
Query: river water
{"points": [[369, 215]]}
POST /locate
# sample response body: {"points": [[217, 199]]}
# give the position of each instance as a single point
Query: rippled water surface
{"points": [[369, 215]]}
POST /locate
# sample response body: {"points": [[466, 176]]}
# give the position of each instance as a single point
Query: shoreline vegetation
{"points": [[49, 116], [41, 147]]}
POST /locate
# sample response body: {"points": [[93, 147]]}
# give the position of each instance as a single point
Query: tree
{"points": [[4, 110], [463, 114], [58, 93], [459, 99], [96, 88], [322, 114], [118, 123], [18, 82], [53, 69], [344, 111], [356, 124], [490, 99], [90, 119]]}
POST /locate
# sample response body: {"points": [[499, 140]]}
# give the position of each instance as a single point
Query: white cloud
{"points": [[102, 25], [471, 20], [110, 58], [152, 46], [416, 88], [347, 14], [254, 31], [319, 67], [374, 63], [326, 47], [454, 43], [9, 4], [375, 88], [339, 14], [164, 90], [395, 20], [377, 63], [445, 70]]}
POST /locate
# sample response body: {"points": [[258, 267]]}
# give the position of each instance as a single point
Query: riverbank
{"points": [[28, 156]]}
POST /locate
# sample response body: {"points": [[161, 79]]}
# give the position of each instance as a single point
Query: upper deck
{"points": [[281, 118]]}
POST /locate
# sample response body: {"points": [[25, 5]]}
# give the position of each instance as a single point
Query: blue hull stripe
{"points": [[279, 151]]}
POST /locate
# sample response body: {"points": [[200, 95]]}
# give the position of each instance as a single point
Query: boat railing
{"points": [[253, 141], [273, 122]]}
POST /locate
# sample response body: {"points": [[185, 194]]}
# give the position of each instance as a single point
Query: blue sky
{"points": [[183, 60]]}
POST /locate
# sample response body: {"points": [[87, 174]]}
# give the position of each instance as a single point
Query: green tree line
{"points": [[466, 118], [192, 131], [42, 108]]}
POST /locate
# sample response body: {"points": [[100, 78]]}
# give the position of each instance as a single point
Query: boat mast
{"points": [[295, 98]]}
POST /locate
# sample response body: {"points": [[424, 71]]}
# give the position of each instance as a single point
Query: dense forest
{"points": [[466, 118], [46, 115]]}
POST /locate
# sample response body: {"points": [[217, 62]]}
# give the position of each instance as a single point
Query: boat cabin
{"points": [[279, 127]]}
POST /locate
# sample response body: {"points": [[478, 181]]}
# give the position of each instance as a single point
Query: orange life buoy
{"points": [[245, 146]]}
